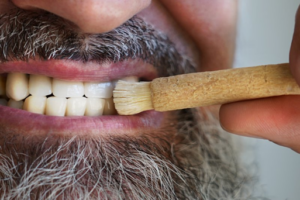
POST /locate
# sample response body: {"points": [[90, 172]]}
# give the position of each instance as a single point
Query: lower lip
{"points": [[15, 121]]}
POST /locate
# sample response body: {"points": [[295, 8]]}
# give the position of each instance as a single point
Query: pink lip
{"points": [[26, 123]]}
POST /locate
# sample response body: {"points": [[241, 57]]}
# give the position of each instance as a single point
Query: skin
{"points": [[211, 34], [275, 119], [207, 37], [204, 31], [199, 37]]}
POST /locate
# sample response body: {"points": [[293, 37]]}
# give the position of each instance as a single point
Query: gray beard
{"points": [[198, 163], [191, 159]]}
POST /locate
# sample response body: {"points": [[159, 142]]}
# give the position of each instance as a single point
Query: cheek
{"points": [[6, 5], [211, 24], [159, 17]]}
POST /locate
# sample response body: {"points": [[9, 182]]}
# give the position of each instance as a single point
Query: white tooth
{"points": [[35, 104], [3, 102], [56, 106], [2, 85], [76, 106], [94, 107], [67, 88], [109, 107], [40, 85], [130, 79], [99, 90], [15, 104], [17, 86]]}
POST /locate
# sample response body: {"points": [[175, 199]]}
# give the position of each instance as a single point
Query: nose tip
{"points": [[91, 16]]}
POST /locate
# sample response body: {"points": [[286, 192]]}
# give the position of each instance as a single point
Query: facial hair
{"points": [[27, 35], [191, 158], [198, 163]]}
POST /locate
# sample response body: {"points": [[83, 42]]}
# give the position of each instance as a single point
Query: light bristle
{"points": [[132, 98]]}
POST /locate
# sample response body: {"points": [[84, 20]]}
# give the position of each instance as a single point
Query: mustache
{"points": [[28, 35]]}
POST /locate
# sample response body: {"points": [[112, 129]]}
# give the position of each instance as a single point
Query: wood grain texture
{"points": [[224, 86]]}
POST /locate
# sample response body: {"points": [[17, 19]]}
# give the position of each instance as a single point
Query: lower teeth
{"points": [[57, 106]]}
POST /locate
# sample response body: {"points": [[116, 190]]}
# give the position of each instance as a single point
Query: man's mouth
{"points": [[133, 49], [45, 100]]}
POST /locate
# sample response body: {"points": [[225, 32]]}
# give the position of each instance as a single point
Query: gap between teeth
{"points": [[49, 96]]}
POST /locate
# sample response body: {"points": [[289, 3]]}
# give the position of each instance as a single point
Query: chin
{"points": [[180, 161]]}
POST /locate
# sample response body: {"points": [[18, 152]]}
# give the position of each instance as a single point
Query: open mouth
{"points": [[63, 97], [77, 61]]}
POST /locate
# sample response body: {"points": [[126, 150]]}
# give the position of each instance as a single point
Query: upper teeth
{"points": [[40, 85], [17, 86], [67, 99], [67, 89], [98, 90]]}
